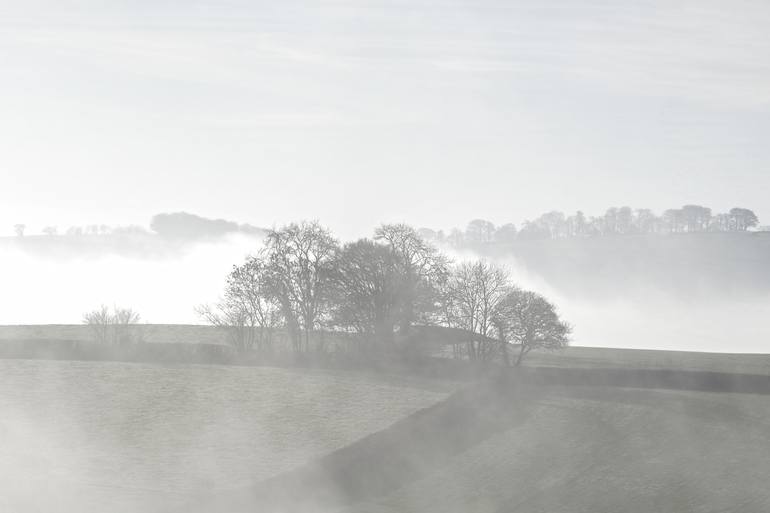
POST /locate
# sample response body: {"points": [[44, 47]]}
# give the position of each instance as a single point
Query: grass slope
{"points": [[601, 357], [521, 447], [89, 437], [151, 333]]}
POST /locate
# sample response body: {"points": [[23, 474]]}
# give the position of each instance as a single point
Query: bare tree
{"points": [[645, 220], [554, 223], [530, 321], [248, 287], [367, 290], [116, 326], [673, 219], [506, 233], [743, 219], [534, 230], [248, 311], [422, 268], [124, 321], [98, 322], [19, 229], [480, 231], [624, 221], [477, 291], [456, 237], [428, 234], [298, 259], [696, 218]]}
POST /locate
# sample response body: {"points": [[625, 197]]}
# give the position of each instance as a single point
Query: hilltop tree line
{"points": [[175, 226], [380, 292], [615, 221]]}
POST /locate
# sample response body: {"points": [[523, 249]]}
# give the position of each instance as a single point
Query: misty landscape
{"points": [[370, 257]]}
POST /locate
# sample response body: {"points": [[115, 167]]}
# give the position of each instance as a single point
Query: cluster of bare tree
{"points": [[615, 221], [113, 326], [374, 291], [480, 299]]}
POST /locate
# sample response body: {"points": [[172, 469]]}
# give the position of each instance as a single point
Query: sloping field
{"points": [[521, 448], [600, 357], [593, 450], [151, 333], [83, 437], [584, 430]]}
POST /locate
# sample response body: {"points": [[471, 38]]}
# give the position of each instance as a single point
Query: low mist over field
{"points": [[705, 291], [164, 287]]}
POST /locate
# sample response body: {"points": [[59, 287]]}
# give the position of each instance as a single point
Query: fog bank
{"points": [[647, 314], [164, 287]]}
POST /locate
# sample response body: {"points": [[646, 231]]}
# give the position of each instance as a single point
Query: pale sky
{"points": [[357, 112]]}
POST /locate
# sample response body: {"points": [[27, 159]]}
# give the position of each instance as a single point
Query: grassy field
{"points": [[121, 437], [128, 437], [151, 333], [518, 448], [602, 450], [601, 357]]}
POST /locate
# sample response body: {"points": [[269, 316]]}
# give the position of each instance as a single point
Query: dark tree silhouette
{"points": [[421, 269], [696, 218], [530, 321], [367, 290], [615, 221], [506, 233], [480, 231], [299, 262], [742, 219]]}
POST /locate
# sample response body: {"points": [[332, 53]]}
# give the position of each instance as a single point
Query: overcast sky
{"points": [[357, 112]]}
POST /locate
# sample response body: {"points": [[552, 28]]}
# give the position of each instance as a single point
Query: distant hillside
{"points": [[718, 265]]}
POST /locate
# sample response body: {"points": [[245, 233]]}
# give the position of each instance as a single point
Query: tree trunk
{"points": [[520, 356], [504, 352]]}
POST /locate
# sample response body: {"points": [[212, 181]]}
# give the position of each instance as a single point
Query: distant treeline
{"points": [[615, 221], [175, 226]]}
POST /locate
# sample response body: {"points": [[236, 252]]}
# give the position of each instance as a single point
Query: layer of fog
{"points": [[655, 316], [165, 289]]}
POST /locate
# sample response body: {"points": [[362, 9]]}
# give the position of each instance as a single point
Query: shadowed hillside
{"points": [[513, 446]]}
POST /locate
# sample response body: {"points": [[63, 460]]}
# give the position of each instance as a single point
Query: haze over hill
{"points": [[300, 329], [704, 291]]}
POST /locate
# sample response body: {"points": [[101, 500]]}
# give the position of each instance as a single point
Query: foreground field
{"points": [[518, 448], [99, 436], [584, 430], [599, 450]]}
